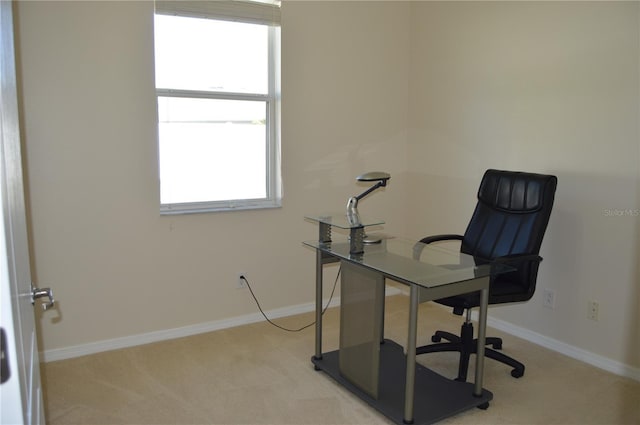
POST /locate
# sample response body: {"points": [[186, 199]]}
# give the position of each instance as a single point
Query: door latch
{"points": [[41, 293]]}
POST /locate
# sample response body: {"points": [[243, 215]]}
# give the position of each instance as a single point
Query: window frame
{"points": [[242, 12]]}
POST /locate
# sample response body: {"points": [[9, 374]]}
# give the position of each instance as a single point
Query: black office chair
{"points": [[507, 225]]}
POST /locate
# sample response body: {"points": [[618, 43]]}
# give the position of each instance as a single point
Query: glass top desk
{"points": [[378, 370]]}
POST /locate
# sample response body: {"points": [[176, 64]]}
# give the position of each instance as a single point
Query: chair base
{"points": [[466, 345]]}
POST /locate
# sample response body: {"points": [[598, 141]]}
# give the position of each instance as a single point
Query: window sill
{"points": [[212, 207]]}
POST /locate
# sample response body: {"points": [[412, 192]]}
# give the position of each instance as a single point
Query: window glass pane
{"points": [[210, 55], [212, 149]]}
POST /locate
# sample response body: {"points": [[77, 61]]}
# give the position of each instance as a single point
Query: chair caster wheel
{"points": [[436, 338], [517, 373], [484, 406], [316, 368]]}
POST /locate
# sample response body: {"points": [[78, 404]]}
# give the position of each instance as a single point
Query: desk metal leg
{"points": [[409, 388], [482, 332], [319, 263], [382, 308]]}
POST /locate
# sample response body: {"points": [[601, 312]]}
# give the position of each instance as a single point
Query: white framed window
{"points": [[217, 69]]}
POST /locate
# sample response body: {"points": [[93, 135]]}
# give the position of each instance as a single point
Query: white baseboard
{"points": [[141, 339], [133, 340], [564, 348]]}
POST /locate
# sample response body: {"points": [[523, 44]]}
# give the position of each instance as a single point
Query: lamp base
{"points": [[371, 240]]}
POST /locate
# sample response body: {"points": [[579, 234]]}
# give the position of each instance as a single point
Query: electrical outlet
{"points": [[593, 310], [549, 298], [241, 283]]}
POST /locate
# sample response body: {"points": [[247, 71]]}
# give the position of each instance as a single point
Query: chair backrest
{"points": [[511, 217]]}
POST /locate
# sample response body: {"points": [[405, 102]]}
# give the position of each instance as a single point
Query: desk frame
{"points": [[480, 398]]}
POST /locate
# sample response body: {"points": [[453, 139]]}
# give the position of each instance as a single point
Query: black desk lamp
{"points": [[352, 204]]}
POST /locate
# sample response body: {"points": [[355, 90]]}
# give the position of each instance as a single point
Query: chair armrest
{"points": [[517, 258], [525, 267], [438, 238], [418, 247]]}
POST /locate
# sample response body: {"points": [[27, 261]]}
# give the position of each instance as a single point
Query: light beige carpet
{"points": [[258, 374]]}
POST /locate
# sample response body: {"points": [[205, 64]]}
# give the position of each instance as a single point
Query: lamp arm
{"points": [[352, 203], [371, 189]]}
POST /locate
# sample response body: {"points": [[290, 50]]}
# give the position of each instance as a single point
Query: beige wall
{"points": [[432, 92], [549, 87], [117, 267]]}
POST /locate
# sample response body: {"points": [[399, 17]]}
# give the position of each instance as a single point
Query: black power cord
{"points": [[282, 327]]}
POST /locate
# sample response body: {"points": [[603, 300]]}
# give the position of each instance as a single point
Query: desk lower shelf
{"points": [[436, 397]]}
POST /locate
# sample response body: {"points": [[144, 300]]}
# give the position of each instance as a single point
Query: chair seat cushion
{"points": [[502, 291]]}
